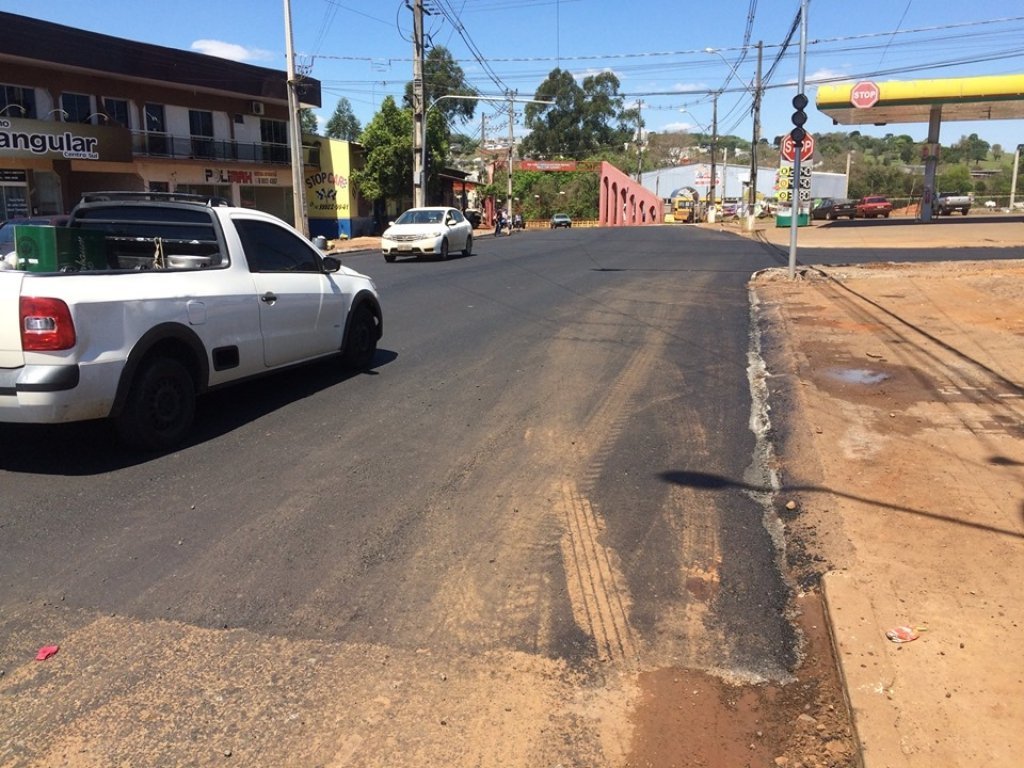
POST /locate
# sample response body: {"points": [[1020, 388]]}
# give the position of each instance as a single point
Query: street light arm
{"points": [[749, 86]]}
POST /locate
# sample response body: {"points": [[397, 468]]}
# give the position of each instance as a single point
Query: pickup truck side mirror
{"points": [[331, 264]]}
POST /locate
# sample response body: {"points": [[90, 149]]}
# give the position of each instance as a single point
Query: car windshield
{"points": [[421, 217]]}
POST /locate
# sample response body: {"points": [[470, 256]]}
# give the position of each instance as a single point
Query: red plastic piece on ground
{"points": [[46, 652]]}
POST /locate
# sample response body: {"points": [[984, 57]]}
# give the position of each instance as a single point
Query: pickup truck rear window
{"points": [[133, 232], [139, 221]]}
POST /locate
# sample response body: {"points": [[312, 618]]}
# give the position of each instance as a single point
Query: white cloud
{"points": [[592, 72], [232, 51], [679, 127]]}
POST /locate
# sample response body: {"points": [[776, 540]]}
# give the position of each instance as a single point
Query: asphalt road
{"points": [[548, 480]]}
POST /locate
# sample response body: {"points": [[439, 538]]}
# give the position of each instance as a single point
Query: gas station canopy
{"points": [[990, 97]]}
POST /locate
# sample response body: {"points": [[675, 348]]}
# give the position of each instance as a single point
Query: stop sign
{"points": [[864, 95], [788, 148]]}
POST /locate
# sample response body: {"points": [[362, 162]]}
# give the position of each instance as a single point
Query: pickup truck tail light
{"points": [[46, 325]]}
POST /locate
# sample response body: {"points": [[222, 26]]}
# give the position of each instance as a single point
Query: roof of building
{"points": [[44, 43]]}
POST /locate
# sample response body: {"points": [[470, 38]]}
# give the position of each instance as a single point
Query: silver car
{"points": [[436, 231]]}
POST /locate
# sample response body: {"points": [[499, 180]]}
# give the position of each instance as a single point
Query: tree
{"points": [[442, 76], [955, 178], [973, 148], [308, 121], [343, 123], [387, 145], [583, 119]]}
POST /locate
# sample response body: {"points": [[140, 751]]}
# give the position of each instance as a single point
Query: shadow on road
{"points": [[91, 447]]}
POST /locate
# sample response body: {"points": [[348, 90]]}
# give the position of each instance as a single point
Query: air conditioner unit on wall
{"points": [[257, 108]]}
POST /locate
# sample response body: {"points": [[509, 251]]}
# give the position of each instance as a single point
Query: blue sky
{"points": [[362, 50]]}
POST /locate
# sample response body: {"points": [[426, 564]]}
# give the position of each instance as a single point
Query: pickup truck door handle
{"points": [[269, 297]]}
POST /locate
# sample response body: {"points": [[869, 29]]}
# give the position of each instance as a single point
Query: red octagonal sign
{"points": [[864, 95], [788, 148]]}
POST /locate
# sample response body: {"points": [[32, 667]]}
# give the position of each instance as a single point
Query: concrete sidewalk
{"points": [[991, 231], [897, 394]]}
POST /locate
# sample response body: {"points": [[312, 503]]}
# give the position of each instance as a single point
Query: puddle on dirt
{"points": [[857, 376]]}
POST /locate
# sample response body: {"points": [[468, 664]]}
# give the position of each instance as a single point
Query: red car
{"points": [[873, 206]]}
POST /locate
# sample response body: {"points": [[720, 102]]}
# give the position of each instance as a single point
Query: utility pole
{"points": [[1013, 183], [419, 116], [639, 140], [714, 149], [511, 148], [295, 131], [757, 132], [794, 205]]}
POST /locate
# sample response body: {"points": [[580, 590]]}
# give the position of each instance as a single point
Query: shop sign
{"points": [[546, 165], [71, 141], [326, 194]]}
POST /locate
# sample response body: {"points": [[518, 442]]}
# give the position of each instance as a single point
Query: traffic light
{"points": [[799, 118]]}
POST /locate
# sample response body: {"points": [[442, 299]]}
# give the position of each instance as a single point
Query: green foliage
{"points": [[442, 76], [973, 148], [387, 145], [954, 178], [584, 118], [343, 123], [308, 121]]}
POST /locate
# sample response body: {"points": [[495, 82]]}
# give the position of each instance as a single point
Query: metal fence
{"points": [[148, 143]]}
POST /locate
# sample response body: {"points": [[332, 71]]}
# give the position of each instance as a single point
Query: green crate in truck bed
{"points": [[59, 249]]}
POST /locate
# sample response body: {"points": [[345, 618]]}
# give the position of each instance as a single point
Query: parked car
{"points": [[7, 229], [947, 202], [874, 206], [474, 217], [832, 208], [438, 231], [561, 220]]}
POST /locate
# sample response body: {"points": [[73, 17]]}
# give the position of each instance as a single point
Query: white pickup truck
{"points": [[162, 297], [947, 202]]}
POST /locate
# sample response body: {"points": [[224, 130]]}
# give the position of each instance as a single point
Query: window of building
{"points": [[154, 124], [200, 126], [77, 107], [116, 111], [274, 135], [16, 101]]}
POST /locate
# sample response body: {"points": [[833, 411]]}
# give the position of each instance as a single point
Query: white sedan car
{"points": [[435, 231]]}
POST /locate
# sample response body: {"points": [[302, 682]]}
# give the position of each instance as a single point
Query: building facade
{"points": [[85, 112]]}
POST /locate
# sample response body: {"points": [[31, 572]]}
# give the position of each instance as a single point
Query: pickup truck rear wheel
{"points": [[160, 407], [361, 342]]}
